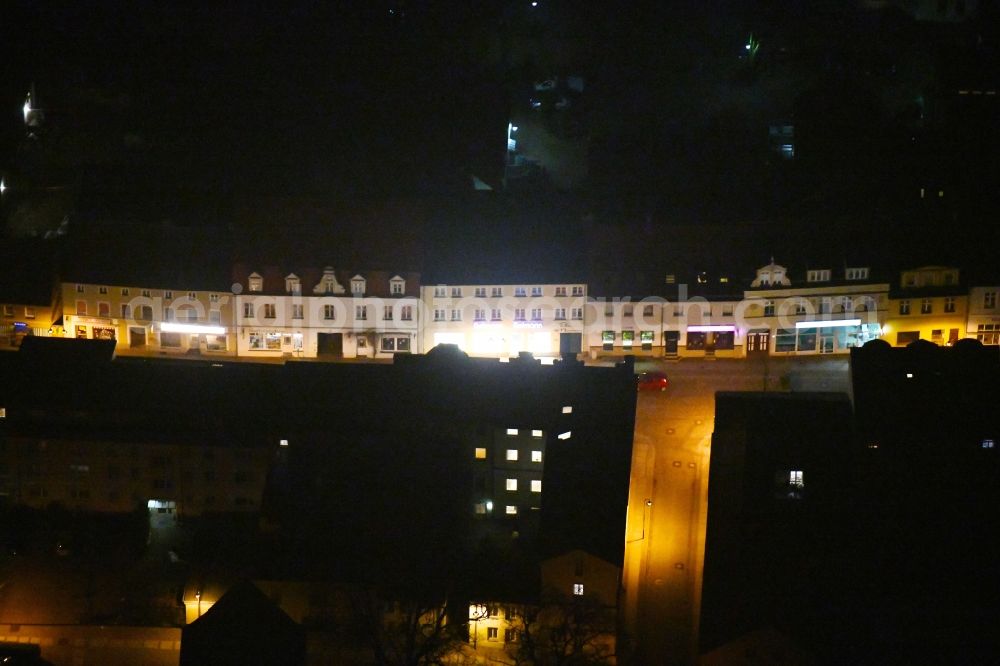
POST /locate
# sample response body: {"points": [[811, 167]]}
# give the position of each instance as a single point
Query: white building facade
{"points": [[984, 315], [502, 320], [327, 314]]}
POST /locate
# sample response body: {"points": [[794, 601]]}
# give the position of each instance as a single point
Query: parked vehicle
{"points": [[652, 381]]}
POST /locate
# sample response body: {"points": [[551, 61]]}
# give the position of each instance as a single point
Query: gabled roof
{"points": [[243, 627]]}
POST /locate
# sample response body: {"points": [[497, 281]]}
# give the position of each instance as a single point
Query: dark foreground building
{"points": [[864, 537], [776, 485], [437, 480]]}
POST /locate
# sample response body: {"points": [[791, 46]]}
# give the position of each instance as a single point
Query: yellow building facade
{"points": [[929, 303], [147, 321]]}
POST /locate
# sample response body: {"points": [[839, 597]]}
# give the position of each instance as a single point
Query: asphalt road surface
{"points": [[668, 496]]}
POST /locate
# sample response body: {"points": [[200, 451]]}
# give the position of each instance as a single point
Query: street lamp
{"points": [[197, 595]]}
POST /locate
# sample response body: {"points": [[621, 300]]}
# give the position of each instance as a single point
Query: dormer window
{"points": [[358, 285], [397, 286], [818, 275], [293, 285], [256, 282], [328, 283], [769, 275], [856, 274]]}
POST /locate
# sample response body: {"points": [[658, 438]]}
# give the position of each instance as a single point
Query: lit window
{"points": [[511, 431], [3, 412], [511, 510], [536, 456], [283, 442], [565, 435], [795, 478], [480, 453], [536, 433], [536, 486], [578, 589], [567, 409], [511, 454], [986, 444], [512, 484], [480, 508]]}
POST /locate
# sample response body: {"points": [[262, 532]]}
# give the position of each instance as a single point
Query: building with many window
{"points": [[308, 313], [928, 303], [824, 311], [90, 445], [504, 319], [984, 315], [147, 320]]}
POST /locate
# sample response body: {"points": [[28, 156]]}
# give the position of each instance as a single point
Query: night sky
{"points": [[388, 100]]}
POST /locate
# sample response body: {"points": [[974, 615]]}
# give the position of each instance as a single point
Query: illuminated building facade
{"points": [[147, 320], [928, 303], [326, 314], [501, 320], [20, 319], [984, 315], [831, 311]]}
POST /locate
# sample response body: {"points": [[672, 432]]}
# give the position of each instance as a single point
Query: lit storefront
{"points": [[824, 337]]}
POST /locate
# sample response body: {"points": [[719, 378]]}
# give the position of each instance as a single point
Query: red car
{"points": [[652, 381]]}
